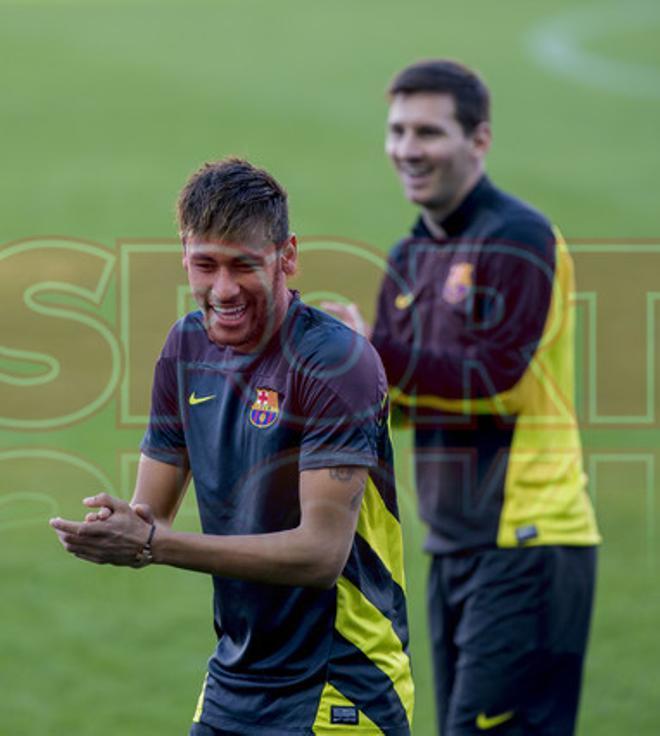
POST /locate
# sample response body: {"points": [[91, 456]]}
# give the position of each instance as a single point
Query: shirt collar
{"points": [[457, 220]]}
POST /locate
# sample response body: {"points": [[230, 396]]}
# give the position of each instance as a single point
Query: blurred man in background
{"points": [[280, 414], [475, 329]]}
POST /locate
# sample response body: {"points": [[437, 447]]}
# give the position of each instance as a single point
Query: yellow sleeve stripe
{"points": [[200, 701], [361, 623], [502, 403], [382, 532], [322, 726]]}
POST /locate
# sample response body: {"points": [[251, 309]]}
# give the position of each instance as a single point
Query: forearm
{"points": [[479, 350], [453, 373], [161, 487], [291, 557], [423, 369], [312, 554]]}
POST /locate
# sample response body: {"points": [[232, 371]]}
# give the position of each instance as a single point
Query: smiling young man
{"points": [[475, 329], [279, 412]]}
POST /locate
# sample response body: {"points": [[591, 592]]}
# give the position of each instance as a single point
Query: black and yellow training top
{"points": [[476, 334], [290, 659]]}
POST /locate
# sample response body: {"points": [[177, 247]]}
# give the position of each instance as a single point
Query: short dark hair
{"points": [[227, 199], [443, 76]]}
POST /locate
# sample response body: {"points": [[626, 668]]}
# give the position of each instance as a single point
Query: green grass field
{"points": [[106, 107]]}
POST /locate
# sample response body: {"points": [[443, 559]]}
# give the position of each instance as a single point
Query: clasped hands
{"points": [[115, 534]]}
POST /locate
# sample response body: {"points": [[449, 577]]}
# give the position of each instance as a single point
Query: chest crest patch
{"points": [[265, 410], [458, 283]]}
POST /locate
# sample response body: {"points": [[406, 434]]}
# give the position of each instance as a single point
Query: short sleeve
{"points": [[164, 439], [343, 414]]}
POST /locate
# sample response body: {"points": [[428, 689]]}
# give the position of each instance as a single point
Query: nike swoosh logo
{"points": [[485, 722], [403, 301], [193, 400]]}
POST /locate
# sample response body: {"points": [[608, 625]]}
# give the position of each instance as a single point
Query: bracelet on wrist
{"points": [[145, 556]]}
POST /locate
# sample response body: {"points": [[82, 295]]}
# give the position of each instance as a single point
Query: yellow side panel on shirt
{"points": [[545, 484], [322, 725], [362, 624], [382, 531]]}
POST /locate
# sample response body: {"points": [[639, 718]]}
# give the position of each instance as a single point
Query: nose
{"points": [[225, 288], [407, 146]]}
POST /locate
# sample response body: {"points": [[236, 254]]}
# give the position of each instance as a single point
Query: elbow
{"points": [[326, 582], [323, 582], [320, 556], [326, 570]]}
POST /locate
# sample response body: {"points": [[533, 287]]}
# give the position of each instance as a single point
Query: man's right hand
{"points": [[350, 315]]}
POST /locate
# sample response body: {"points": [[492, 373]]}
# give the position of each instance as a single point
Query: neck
{"points": [[432, 225], [285, 303], [435, 215], [284, 300]]}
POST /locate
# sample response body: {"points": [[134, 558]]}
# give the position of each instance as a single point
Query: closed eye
{"points": [[247, 264], [203, 265]]}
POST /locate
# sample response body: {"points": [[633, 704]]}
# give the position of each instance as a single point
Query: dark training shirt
{"points": [[289, 658], [476, 334]]}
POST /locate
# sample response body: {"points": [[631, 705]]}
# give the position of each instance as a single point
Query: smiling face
{"points": [[437, 162], [240, 287]]}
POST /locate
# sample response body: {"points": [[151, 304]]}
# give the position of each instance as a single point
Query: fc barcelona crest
{"points": [[458, 283], [265, 410]]}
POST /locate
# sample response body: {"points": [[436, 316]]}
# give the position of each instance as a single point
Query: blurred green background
{"points": [[106, 107]]}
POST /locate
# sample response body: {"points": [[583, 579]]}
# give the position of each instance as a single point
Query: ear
{"points": [[482, 137], [184, 256], [289, 256]]}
